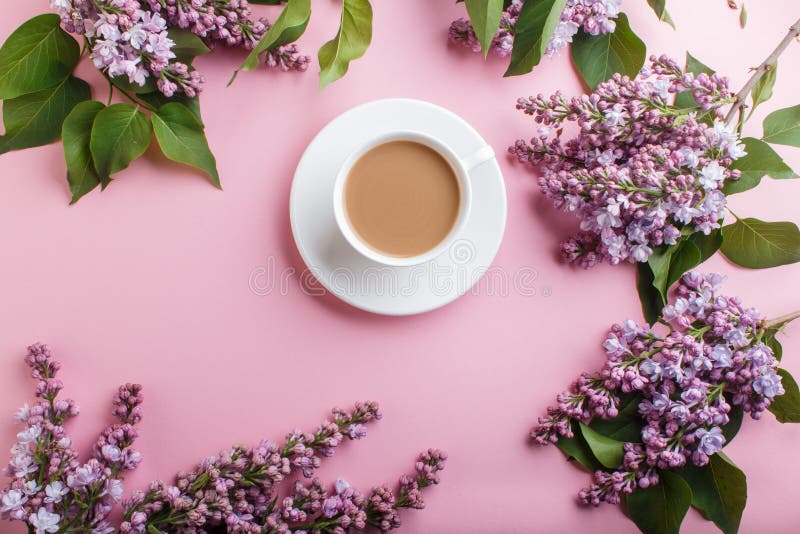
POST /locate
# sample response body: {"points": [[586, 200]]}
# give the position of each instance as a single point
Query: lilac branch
{"points": [[767, 65]]}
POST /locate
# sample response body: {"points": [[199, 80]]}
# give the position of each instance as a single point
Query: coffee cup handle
{"points": [[480, 156]]}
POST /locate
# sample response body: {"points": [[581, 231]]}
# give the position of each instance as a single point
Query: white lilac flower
{"points": [[12, 500], [55, 491], [31, 487], [23, 413], [30, 434], [115, 489], [712, 175], [615, 116], [45, 522], [22, 464]]}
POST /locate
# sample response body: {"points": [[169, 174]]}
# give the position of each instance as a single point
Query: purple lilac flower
{"points": [[686, 381], [227, 500], [130, 39], [50, 488], [638, 170], [591, 16]]}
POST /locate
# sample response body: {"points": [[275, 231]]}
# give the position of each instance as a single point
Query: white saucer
{"points": [[359, 281]]}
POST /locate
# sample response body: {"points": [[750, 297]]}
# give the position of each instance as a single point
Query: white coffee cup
{"points": [[461, 167]]}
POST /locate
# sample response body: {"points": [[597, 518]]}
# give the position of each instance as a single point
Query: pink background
{"points": [[148, 282]]}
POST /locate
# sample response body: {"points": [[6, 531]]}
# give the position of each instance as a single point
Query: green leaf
{"points": [[708, 245], [626, 427], [181, 137], [685, 258], [757, 244], [659, 263], [660, 7], [770, 339], [76, 133], [187, 45], [695, 66], [786, 407], [743, 17], [649, 296], [598, 57], [735, 420], [719, 490], [761, 160], [37, 55], [535, 26], [608, 451], [762, 90], [578, 450], [350, 43], [121, 133], [782, 127], [35, 119], [660, 509], [158, 99], [288, 27], [485, 17]]}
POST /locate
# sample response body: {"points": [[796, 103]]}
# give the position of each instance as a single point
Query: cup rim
{"points": [[343, 223]]}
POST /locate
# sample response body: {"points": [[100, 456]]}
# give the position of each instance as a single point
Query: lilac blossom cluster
{"points": [[50, 487], [129, 38], [685, 382], [591, 16], [230, 22], [639, 169], [238, 489], [127, 41], [310, 508]]}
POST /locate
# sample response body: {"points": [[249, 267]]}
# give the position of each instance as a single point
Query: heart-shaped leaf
{"points": [[708, 245], [786, 407], [626, 427], [757, 244], [659, 262], [719, 490], [350, 43], [598, 57], [660, 509], [536, 24], [35, 119], [650, 298], [181, 137], [578, 450], [608, 451], [37, 55], [783, 127], [685, 258], [735, 420], [288, 27], [121, 133], [75, 135], [761, 160], [485, 17]]}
